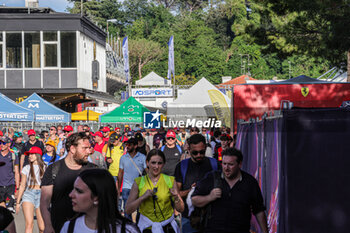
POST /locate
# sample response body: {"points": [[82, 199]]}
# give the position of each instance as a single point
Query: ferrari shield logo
{"points": [[304, 91]]}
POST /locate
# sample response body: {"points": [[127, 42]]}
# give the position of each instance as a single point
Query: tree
{"points": [[315, 28], [143, 52]]}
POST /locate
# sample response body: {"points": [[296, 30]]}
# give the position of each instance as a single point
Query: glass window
{"points": [[68, 49], [50, 36], [14, 50], [32, 50], [50, 55], [0, 36]]}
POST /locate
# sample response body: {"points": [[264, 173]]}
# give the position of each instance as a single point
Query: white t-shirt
{"points": [[26, 171], [81, 227]]}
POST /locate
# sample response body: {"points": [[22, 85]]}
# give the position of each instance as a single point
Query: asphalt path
{"points": [[20, 223]]}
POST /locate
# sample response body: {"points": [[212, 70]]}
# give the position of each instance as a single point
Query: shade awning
{"points": [[86, 115]]}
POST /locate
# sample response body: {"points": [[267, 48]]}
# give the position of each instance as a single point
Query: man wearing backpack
{"points": [[232, 196], [189, 171], [9, 173], [172, 152], [57, 182]]}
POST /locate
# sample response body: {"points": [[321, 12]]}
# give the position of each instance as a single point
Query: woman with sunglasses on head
{"points": [[29, 189], [155, 195], [95, 197]]}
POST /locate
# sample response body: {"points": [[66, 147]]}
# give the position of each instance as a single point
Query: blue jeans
{"points": [[32, 196], [186, 226], [125, 196]]}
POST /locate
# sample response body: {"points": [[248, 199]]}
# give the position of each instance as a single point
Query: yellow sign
{"points": [[220, 106], [304, 91], [20, 99]]}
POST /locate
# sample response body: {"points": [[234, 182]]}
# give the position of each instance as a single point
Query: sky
{"points": [[56, 5]]}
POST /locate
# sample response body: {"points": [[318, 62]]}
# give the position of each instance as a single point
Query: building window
{"points": [[50, 49], [50, 36], [50, 54], [13, 50], [32, 50], [68, 50], [1, 50]]}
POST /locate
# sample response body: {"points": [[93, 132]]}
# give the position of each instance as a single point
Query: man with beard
{"points": [[230, 190], [131, 165], [58, 180], [189, 171]]}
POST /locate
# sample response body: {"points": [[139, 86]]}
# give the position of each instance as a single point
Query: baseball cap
{"points": [[131, 141], [68, 128], [117, 128], [5, 139], [130, 133], [51, 143], [170, 134], [31, 132], [138, 137], [114, 136], [34, 150], [98, 133], [153, 130], [106, 129], [18, 134]]}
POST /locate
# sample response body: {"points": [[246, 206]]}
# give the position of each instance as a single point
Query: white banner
{"points": [[152, 92]]}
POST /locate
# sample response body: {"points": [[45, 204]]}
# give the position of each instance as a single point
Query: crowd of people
{"points": [[127, 180]]}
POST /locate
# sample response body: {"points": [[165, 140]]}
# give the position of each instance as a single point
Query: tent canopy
{"points": [[10, 111], [301, 79], [153, 79], [44, 111], [131, 111], [86, 115]]}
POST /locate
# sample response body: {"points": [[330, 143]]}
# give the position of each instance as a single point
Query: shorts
{"points": [[32, 196]]}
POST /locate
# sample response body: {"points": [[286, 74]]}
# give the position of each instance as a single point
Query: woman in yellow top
{"points": [[155, 195], [115, 151]]}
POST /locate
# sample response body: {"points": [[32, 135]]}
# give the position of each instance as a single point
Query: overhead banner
{"points": [[152, 92]]}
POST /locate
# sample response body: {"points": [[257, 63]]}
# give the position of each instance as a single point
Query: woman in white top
{"points": [[95, 198], [29, 189]]}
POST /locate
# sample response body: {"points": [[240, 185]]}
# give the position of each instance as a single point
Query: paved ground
{"points": [[20, 223]]}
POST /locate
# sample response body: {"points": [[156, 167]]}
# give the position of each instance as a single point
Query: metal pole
{"points": [[81, 8]]}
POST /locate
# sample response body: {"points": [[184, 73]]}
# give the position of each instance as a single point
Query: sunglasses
{"points": [[52, 129], [202, 152], [170, 138], [3, 143]]}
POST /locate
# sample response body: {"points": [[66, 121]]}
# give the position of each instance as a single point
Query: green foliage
{"points": [[215, 38]]}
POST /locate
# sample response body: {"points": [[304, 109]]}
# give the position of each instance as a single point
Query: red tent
{"points": [[253, 100]]}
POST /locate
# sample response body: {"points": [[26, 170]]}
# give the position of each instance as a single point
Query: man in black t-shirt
{"points": [[172, 153], [58, 182], [233, 196], [196, 168]]}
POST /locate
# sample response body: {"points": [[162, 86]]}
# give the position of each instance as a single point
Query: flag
{"points": [[221, 107], [171, 62], [126, 58]]}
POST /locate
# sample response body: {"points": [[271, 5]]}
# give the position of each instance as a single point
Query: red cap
{"points": [[98, 133], [106, 129], [31, 132], [153, 130], [116, 128], [34, 150], [170, 134], [1, 133], [68, 128]]}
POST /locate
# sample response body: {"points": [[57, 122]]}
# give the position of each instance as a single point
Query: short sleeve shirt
{"points": [[61, 204], [130, 171], [232, 212], [26, 171], [7, 176], [172, 157]]}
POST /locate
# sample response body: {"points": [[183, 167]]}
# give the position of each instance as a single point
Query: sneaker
{"points": [[12, 210]]}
